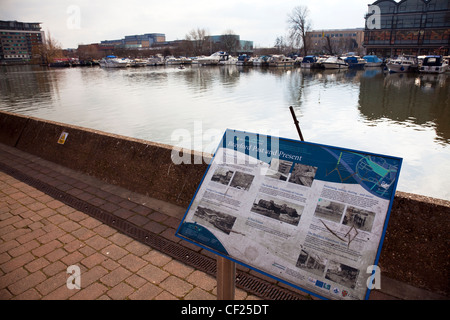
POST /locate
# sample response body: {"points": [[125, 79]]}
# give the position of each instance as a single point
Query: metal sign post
{"points": [[226, 277], [296, 123], [226, 269]]}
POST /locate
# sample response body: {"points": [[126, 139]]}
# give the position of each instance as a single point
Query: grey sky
{"points": [[73, 22]]}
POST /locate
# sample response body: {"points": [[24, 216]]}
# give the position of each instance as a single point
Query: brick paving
{"points": [[40, 237]]}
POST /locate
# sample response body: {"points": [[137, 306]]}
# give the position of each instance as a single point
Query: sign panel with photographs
{"points": [[309, 215]]}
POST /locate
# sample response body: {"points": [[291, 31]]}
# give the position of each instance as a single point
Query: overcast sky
{"points": [[73, 22]]}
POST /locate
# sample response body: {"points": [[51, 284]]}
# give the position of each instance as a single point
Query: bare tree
{"points": [[198, 37], [328, 47], [280, 44], [230, 41], [49, 50], [299, 25]]}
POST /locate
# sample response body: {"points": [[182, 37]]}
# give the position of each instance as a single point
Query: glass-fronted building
{"points": [[17, 40], [137, 41], [416, 27], [231, 43]]}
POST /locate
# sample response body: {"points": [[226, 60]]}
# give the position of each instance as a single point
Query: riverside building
{"points": [[336, 41], [18, 39], [413, 27], [137, 41]]}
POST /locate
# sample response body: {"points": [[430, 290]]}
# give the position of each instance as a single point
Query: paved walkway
{"points": [[42, 234], [40, 237]]}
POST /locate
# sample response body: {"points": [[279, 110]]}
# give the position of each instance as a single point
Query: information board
{"points": [[309, 215]]}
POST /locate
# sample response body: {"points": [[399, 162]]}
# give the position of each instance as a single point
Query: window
{"points": [[412, 6], [436, 20]]}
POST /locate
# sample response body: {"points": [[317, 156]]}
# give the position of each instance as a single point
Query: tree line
{"points": [[198, 42]]}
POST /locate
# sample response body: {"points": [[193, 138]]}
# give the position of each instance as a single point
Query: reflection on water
{"points": [[404, 115], [421, 100]]}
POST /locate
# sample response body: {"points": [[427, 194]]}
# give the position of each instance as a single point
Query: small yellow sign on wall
{"points": [[63, 137]]}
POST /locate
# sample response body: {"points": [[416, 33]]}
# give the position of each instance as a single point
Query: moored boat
{"points": [[172, 61], [280, 61], [213, 59], [334, 63], [355, 62], [373, 61], [403, 64], [138, 63], [434, 64], [157, 60], [114, 62], [308, 62], [244, 60], [261, 61]]}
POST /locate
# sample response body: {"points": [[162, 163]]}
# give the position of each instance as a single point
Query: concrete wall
{"points": [[141, 166], [415, 249]]}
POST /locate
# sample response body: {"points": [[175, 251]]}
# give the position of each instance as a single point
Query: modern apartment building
{"points": [[336, 41], [17, 40], [416, 27]]}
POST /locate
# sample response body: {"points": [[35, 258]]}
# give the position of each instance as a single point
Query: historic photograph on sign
{"points": [[242, 180], [219, 220], [311, 262], [342, 274], [359, 218], [329, 210], [222, 175], [279, 169], [303, 174], [277, 209]]}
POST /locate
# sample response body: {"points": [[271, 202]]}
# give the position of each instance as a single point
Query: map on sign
{"points": [[372, 172], [309, 215]]}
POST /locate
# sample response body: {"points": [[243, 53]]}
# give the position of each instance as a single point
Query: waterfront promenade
{"points": [[52, 217], [40, 236]]}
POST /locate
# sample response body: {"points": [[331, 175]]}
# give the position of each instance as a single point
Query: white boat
{"points": [[185, 60], [230, 61], [172, 61], [447, 58], [213, 59], [114, 62], [279, 60], [434, 64], [334, 63], [260, 61], [308, 62], [403, 64], [157, 60], [138, 63]]}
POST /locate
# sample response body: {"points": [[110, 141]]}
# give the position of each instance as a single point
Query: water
{"points": [[400, 115]]}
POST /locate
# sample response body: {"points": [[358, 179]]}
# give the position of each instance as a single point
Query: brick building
{"points": [[415, 27]]}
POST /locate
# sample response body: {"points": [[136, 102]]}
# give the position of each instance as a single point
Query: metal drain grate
{"points": [[244, 281]]}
